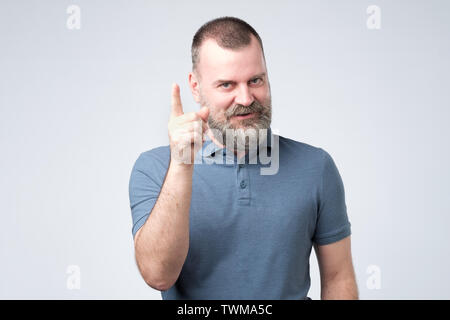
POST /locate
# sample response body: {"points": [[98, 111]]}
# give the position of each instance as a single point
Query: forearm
{"points": [[162, 243], [340, 289]]}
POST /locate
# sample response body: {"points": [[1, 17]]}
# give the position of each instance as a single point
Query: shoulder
{"points": [[303, 152], [155, 159], [160, 154]]}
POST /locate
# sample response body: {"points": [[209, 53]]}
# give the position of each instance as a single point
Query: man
{"points": [[222, 230]]}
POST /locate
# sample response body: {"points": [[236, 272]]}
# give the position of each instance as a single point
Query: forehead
{"points": [[216, 62]]}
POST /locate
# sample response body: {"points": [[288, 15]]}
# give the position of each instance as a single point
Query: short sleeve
{"points": [[332, 221], [146, 180]]}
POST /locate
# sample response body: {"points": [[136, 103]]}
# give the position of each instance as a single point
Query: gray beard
{"points": [[253, 131]]}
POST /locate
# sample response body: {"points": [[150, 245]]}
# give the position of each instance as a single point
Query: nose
{"points": [[244, 96]]}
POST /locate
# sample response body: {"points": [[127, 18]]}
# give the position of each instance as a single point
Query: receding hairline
{"points": [[214, 42]]}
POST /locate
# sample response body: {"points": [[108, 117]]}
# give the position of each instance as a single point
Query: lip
{"points": [[250, 115]]}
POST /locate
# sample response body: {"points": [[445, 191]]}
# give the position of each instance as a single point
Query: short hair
{"points": [[228, 32]]}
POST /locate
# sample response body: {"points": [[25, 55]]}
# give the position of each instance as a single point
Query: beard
{"points": [[254, 128]]}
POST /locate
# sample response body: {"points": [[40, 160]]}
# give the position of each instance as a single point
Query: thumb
{"points": [[203, 113]]}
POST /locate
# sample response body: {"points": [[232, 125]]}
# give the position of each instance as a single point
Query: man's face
{"points": [[234, 85]]}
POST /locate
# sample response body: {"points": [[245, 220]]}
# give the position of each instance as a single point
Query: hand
{"points": [[185, 130]]}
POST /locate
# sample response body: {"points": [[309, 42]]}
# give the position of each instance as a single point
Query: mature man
{"points": [[221, 229]]}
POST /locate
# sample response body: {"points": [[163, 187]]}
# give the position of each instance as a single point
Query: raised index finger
{"points": [[177, 108]]}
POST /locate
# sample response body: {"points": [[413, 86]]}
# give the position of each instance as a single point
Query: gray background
{"points": [[78, 106]]}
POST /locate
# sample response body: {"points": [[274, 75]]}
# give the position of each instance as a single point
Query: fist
{"points": [[185, 130]]}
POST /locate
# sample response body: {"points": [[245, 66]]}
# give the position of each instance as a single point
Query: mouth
{"points": [[244, 116]]}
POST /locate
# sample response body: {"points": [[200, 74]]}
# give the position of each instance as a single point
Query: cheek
{"points": [[263, 95], [221, 103]]}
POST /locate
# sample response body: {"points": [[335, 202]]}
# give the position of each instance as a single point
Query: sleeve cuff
{"points": [[334, 236], [139, 224]]}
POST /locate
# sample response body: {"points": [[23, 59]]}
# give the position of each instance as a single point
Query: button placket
{"points": [[243, 184]]}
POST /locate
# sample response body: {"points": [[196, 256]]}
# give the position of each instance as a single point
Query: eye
{"points": [[256, 81], [226, 85]]}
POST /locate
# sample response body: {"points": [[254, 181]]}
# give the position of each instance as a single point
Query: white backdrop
{"points": [[77, 106]]}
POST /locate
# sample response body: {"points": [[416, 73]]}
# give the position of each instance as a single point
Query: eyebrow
{"points": [[260, 75]]}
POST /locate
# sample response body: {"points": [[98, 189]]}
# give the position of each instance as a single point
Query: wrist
{"points": [[180, 167]]}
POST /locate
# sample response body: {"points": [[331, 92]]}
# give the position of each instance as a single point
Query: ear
{"points": [[194, 85]]}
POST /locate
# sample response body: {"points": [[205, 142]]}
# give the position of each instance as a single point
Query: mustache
{"points": [[239, 109]]}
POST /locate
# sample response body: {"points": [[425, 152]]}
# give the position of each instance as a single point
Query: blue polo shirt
{"points": [[250, 234]]}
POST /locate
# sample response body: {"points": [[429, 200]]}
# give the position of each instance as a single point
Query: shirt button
{"points": [[243, 184]]}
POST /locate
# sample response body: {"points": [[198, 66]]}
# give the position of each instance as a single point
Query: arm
{"points": [[162, 243], [337, 276]]}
